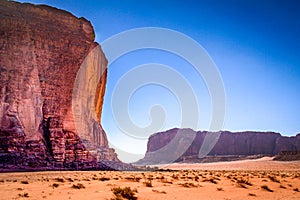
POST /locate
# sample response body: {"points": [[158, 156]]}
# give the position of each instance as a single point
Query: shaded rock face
{"points": [[41, 51], [230, 146]]}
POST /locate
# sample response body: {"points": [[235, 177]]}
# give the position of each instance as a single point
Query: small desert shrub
{"points": [[60, 180], [265, 187], [104, 179], [126, 193], [274, 179], [296, 176], [24, 195], [148, 183], [137, 179], [220, 189], [24, 182], [210, 180], [70, 179], [242, 185], [166, 181], [244, 181], [281, 186], [251, 194], [296, 190], [55, 185], [188, 185], [213, 181], [78, 186], [130, 178], [175, 176], [283, 175], [162, 192]]}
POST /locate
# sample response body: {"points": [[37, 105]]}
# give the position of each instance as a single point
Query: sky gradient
{"points": [[255, 45]]}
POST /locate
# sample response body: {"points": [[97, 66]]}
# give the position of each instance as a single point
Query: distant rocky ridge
{"points": [[230, 146], [41, 50]]}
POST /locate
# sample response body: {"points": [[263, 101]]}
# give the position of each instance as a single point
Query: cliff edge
{"points": [[41, 51]]}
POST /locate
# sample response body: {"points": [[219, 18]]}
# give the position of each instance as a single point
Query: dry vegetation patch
{"points": [[124, 193], [24, 182], [148, 183], [157, 191], [24, 195], [152, 185], [78, 186], [265, 187], [188, 185]]}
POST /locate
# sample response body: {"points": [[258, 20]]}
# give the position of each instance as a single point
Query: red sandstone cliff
{"points": [[230, 146], [41, 50]]}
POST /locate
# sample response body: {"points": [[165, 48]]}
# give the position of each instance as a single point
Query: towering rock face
{"points": [[41, 51], [230, 146]]}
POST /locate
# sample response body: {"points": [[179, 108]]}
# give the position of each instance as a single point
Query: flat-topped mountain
{"points": [[229, 146]]}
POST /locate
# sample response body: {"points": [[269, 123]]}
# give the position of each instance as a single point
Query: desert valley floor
{"points": [[250, 179]]}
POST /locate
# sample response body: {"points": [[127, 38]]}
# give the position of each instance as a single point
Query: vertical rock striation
{"points": [[41, 51]]}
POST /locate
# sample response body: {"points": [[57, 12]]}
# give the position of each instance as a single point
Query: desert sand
{"points": [[250, 179], [265, 163]]}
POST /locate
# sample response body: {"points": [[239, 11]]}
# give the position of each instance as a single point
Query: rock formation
{"points": [[41, 51], [288, 156], [230, 146]]}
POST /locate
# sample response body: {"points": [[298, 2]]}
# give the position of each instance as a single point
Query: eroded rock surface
{"points": [[41, 51], [230, 146]]}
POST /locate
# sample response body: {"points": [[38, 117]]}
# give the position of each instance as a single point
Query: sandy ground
{"points": [[228, 180], [265, 163]]}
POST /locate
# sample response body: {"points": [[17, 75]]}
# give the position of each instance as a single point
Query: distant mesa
{"points": [[230, 146]]}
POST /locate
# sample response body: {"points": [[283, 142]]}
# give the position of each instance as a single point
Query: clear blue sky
{"points": [[255, 45]]}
